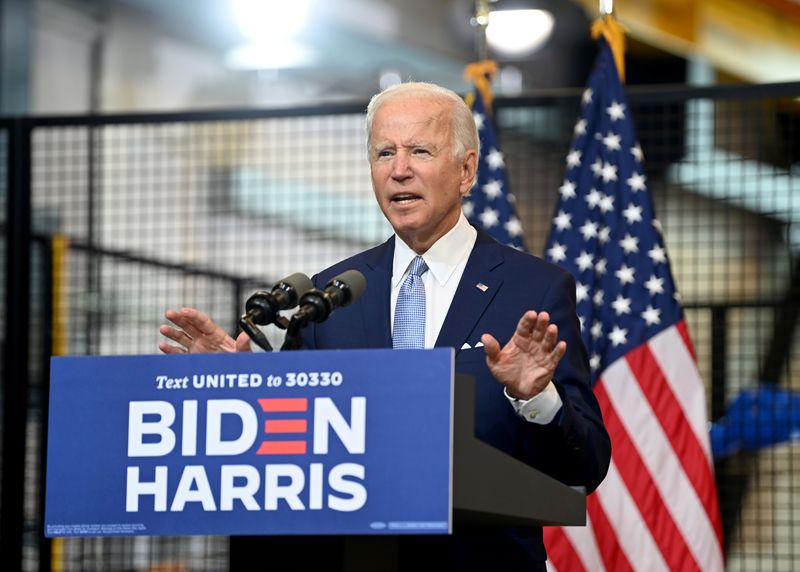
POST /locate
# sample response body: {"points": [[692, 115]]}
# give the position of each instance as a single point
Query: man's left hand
{"points": [[525, 365]]}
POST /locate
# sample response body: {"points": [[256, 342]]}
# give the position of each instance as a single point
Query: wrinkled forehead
{"points": [[407, 115]]}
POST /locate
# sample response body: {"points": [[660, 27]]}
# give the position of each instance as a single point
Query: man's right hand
{"points": [[194, 332]]}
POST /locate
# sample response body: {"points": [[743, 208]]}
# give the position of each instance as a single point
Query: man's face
{"points": [[417, 179]]}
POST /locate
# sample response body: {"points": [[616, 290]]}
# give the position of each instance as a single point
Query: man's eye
{"points": [[421, 151], [384, 153]]}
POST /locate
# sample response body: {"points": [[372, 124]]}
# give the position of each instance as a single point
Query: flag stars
{"points": [[597, 167], [604, 235], [621, 305], [629, 244], [489, 217], [608, 172], [618, 336], [492, 189], [574, 158], [584, 261], [468, 208], [597, 329], [616, 111], [581, 292], [657, 254], [587, 96], [632, 213], [594, 362], [657, 225], [557, 252], [625, 274], [652, 316], [563, 220], [636, 151], [513, 226], [600, 267], [580, 127], [655, 285], [494, 159], [597, 299], [479, 120], [589, 230], [611, 141], [606, 203], [637, 182], [593, 198], [567, 190]]}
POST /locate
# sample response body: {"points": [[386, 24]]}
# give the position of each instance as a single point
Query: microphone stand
{"points": [[255, 333]]}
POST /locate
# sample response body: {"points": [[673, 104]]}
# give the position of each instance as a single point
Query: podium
{"points": [[490, 488], [117, 420]]}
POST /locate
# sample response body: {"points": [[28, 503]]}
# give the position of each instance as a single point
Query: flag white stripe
{"points": [[632, 531], [584, 544], [657, 454], [680, 370]]}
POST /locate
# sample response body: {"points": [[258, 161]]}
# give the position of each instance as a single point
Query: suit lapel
{"points": [[375, 300], [477, 289]]}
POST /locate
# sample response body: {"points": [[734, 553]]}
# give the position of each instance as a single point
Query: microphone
{"points": [[264, 307], [316, 305]]}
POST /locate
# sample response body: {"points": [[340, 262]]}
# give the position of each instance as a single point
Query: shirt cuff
{"points": [[539, 409]]}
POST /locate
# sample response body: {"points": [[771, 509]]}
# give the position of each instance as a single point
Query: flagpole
{"points": [[481, 21]]}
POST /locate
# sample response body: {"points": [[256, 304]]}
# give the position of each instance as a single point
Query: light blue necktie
{"points": [[409, 312]]}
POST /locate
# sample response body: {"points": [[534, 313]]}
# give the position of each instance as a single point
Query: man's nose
{"points": [[401, 166]]}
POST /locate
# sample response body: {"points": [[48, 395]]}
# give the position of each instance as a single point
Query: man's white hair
{"points": [[465, 133]]}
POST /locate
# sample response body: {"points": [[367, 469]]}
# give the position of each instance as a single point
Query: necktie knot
{"points": [[418, 266]]}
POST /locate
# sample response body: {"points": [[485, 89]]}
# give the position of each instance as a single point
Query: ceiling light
{"points": [[270, 21], [518, 33]]}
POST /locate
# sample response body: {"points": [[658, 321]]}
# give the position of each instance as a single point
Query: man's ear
{"points": [[469, 170]]}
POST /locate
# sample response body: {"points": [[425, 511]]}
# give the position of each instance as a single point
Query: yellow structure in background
{"points": [[758, 42]]}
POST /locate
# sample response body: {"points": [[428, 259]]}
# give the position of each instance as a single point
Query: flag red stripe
{"points": [[614, 557], [688, 450], [643, 489], [560, 551]]}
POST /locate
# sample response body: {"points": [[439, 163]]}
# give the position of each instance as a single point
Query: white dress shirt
{"points": [[446, 261]]}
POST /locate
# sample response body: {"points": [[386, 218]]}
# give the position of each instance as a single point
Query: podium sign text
{"points": [[323, 442]]}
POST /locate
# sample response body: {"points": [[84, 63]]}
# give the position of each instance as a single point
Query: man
{"points": [[510, 316]]}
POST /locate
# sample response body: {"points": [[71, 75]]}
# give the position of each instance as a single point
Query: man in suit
{"points": [[510, 316]]}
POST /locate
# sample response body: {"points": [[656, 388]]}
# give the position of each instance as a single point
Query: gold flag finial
{"points": [[614, 33], [481, 74]]}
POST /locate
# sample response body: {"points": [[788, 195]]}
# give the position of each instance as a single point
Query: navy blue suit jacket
{"points": [[574, 448]]}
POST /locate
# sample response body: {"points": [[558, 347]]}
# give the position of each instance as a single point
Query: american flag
{"points": [[657, 508], [491, 204]]}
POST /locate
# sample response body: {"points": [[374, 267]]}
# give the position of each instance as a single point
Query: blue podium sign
{"points": [[323, 442]]}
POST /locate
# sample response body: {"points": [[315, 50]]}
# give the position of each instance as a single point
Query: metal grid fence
{"points": [[202, 209]]}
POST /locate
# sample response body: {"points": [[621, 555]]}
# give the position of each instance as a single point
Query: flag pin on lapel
{"points": [[481, 286]]}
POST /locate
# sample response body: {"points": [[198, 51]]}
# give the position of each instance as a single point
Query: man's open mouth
{"points": [[405, 198]]}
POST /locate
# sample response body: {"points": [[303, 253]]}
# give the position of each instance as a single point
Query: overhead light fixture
{"points": [[270, 21], [518, 32], [271, 28]]}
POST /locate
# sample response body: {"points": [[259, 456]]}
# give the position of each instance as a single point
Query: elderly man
{"points": [[510, 316]]}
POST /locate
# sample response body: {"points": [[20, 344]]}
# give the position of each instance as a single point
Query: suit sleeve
{"points": [[575, 447]]}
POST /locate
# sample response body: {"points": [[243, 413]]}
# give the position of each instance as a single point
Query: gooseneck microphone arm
{"points": [[264, 307], [316, 305]]}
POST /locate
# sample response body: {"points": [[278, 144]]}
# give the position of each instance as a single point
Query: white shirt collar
{"points": [[442, 258]]}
